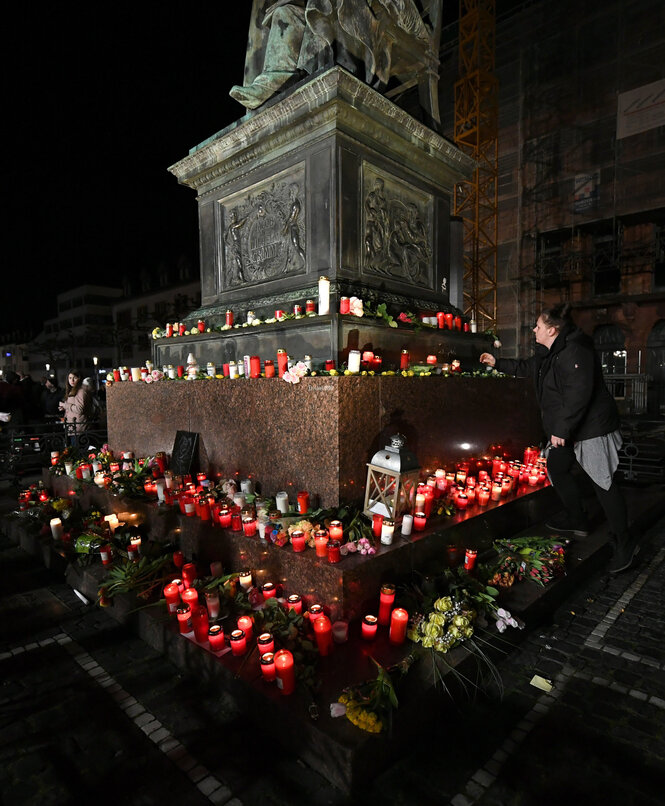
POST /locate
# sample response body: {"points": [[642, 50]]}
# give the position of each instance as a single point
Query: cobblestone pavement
{"points": [[90, 712]]}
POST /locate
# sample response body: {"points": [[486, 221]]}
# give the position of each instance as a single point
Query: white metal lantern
{"points": [[392, 478]]}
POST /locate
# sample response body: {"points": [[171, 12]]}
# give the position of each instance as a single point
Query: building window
{"points": [[606, 272], [659, 263]]}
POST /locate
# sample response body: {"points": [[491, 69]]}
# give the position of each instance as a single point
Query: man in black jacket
{"points": [[581, 422]]}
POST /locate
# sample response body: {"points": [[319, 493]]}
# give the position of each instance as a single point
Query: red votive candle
{"points": [[216, 637], [238, 642], [377, 524], [201, 624], [267, 664], [265, 643], [249, 526], [321, 542], [314, 612], [294, 602], [246, 624], [190, 596], [470, 559], [386, 600], [483, 496], [399, 621], [335, 530], [462, 501], [269, 590], [178, 558], [183, 615], [203, 508], [419, 521], [369, 627], [172, 596], [285, 671], [344, 305], [298, 540], [404, 360], [106, 554], [254, 366], [303, 502], [236, 522], [269, 368], [282, 361], [449, 320], [225, 517], [323, 634], [334, 553], [188, 574]]}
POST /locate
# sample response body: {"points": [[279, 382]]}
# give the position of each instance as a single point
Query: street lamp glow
{"points": [[95, 360], [48, 367]]}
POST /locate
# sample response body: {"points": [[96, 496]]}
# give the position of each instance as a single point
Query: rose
{"points": [[443, 604], [437, 618], [356, 306], [432, 630]]}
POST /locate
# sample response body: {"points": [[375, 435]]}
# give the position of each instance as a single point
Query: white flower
{"points": [[291, 377], [501, 625], [497, 344], [337, 709], [356, 306]]}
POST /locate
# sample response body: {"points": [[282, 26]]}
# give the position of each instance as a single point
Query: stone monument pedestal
{"points": [[332, 180]]}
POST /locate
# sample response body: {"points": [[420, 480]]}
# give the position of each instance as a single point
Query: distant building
{"points": [[582, 180]]}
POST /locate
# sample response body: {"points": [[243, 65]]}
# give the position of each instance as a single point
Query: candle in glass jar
{"points": [[249, 526], [282, 502], [496, 491], [399, 621], [377, 523], [294, 602], [212, 603], [387, 530], [298, 540], [216, 568], [321, 542], [282, 362], [57, 529], [369, 627], [269, 590], [285, 671], [462, 501], [344, 305], [246, 624], [267, 664], [245, 579], [216, 637], [386, 600], [340, 632], [419, 521], [334, 553], [303, 502], [324, 296], [314, 612], [183, 615], [188, 574], [190, 596], [483, 496], [335, 530], [200, 624], [470, 559], [265, 643], [353, 361], [172, 596], [254, 366], [238, 642], [407, 524], [323, 634], [106, 554], [225, 517]]}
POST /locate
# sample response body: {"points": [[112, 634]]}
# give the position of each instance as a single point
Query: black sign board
{"points": [[184, 453]]}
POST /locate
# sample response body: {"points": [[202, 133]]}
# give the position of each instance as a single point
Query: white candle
{"points": [[353, 363], [239, 500], [112, 521], [56, 528], [99, 479], [340, 631], [282, 502], [68, 468], [245, 580], [407, 524], [246, 486], [160, 484], [387, 529], [136, 373], [324, 296]]}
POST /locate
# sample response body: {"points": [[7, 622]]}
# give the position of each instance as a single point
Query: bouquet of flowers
{"points": [[541, 559]]}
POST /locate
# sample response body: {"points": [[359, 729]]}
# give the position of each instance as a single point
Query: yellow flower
{"points": [[443, 604]]}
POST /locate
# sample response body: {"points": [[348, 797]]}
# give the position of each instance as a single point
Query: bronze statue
{"points": [[291, 38]]}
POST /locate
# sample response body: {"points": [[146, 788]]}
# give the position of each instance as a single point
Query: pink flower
{"points": [[290, 377], [156, 375], [404, 318], [148, 379], [356, 306]]}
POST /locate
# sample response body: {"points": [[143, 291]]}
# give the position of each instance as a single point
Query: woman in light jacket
{"points": [[77, 406]]}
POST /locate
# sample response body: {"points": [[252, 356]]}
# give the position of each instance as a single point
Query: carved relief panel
{"points": [[397, 228], [262, 231]]}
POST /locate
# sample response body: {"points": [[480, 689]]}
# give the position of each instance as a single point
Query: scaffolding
{"points": [[476, 133]]}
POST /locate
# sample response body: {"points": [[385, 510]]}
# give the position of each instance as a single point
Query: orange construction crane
{"points": [[476, 133]]}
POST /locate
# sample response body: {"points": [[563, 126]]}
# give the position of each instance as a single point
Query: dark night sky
{"points": [[101, 104]]}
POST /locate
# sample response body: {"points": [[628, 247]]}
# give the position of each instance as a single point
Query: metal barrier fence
{"points": [[27, 447]]}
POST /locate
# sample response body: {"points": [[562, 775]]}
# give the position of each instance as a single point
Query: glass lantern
{"points": [[392, 478]]}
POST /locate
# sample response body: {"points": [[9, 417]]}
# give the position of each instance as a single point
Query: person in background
{"points": [[581, 422], [51, 397], [95, 405], [76, 406]]}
